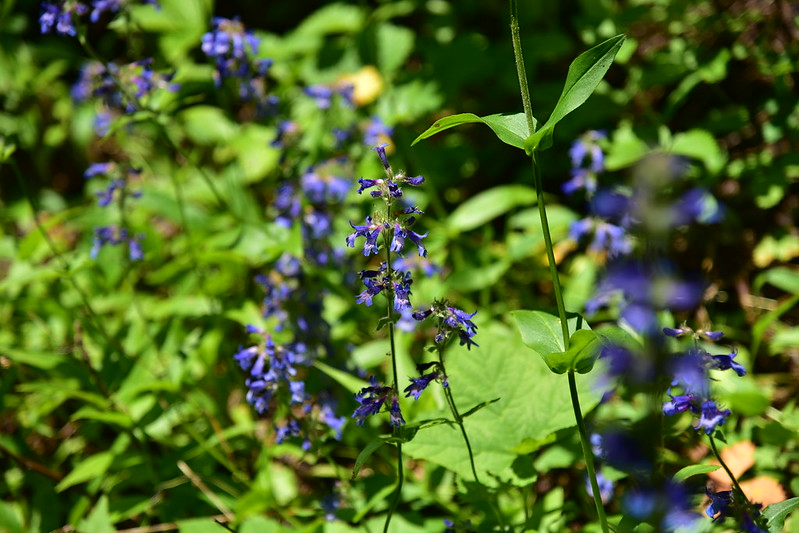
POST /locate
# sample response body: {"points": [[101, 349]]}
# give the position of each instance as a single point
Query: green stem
{"points": [[726, 469], [397, 431], [457, 416], [587, 453], [553, 267]]}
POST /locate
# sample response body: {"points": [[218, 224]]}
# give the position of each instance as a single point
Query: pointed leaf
{"points": [[694, 470], [90, 468], [510, 128], [365, 454], [584, 75], [479, 406]]}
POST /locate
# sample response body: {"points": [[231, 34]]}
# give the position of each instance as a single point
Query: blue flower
{"points": [[376, 132], [401, 233], [395, 414], [719, 504], [723, 362], [452, 321], [586, 147], [418, 385], [60, 17], [370, 232], [371, 400], [711, 417], [606, 487]]}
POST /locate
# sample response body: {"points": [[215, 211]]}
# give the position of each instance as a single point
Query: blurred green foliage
{"points": [[120, 404]]}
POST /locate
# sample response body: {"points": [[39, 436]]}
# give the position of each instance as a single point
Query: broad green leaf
{"points": [[582, 354], [533, 404], [394, 45], [542, 332], [487, 205], [365, 454], [694, 470], [510, 128], [776, 513], [90, 468], [584, 75]]}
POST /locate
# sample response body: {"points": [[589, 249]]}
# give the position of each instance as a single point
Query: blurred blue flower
{"points": [[376, 132], [61, 16]]}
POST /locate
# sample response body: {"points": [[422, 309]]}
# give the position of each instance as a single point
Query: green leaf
{"points": [[581, 355], [584, 75], [394, 45], [99, 520], [42, 360], [92, 467], [106, 416], [542, 332], [701, 145], [784, 278], [776, 513], [345, 379], [694, 470], [479, 406], [487, 205], [534, 404], [365, 454], [510, 128]]}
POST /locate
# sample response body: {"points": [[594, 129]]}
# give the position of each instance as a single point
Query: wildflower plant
{"points": [[208, 328]]}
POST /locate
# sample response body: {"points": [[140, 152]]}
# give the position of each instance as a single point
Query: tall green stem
{"points": [[553, 267], [588, 455], [397, 431]]}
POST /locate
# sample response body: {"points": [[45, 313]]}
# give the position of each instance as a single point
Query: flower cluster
{"points": [[323, 94], [314, 203], [232, 48], [690, 371], [607, 226], [451, 322], [117, 192], [371, 400], [275, 379], [588, 161], [62, 17], [120, 88], [641, 289]]}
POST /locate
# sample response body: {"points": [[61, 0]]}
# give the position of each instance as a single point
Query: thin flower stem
{"points": [[457, 416], [587, 453], [726, 469], [397, 430], [459, 421]]}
